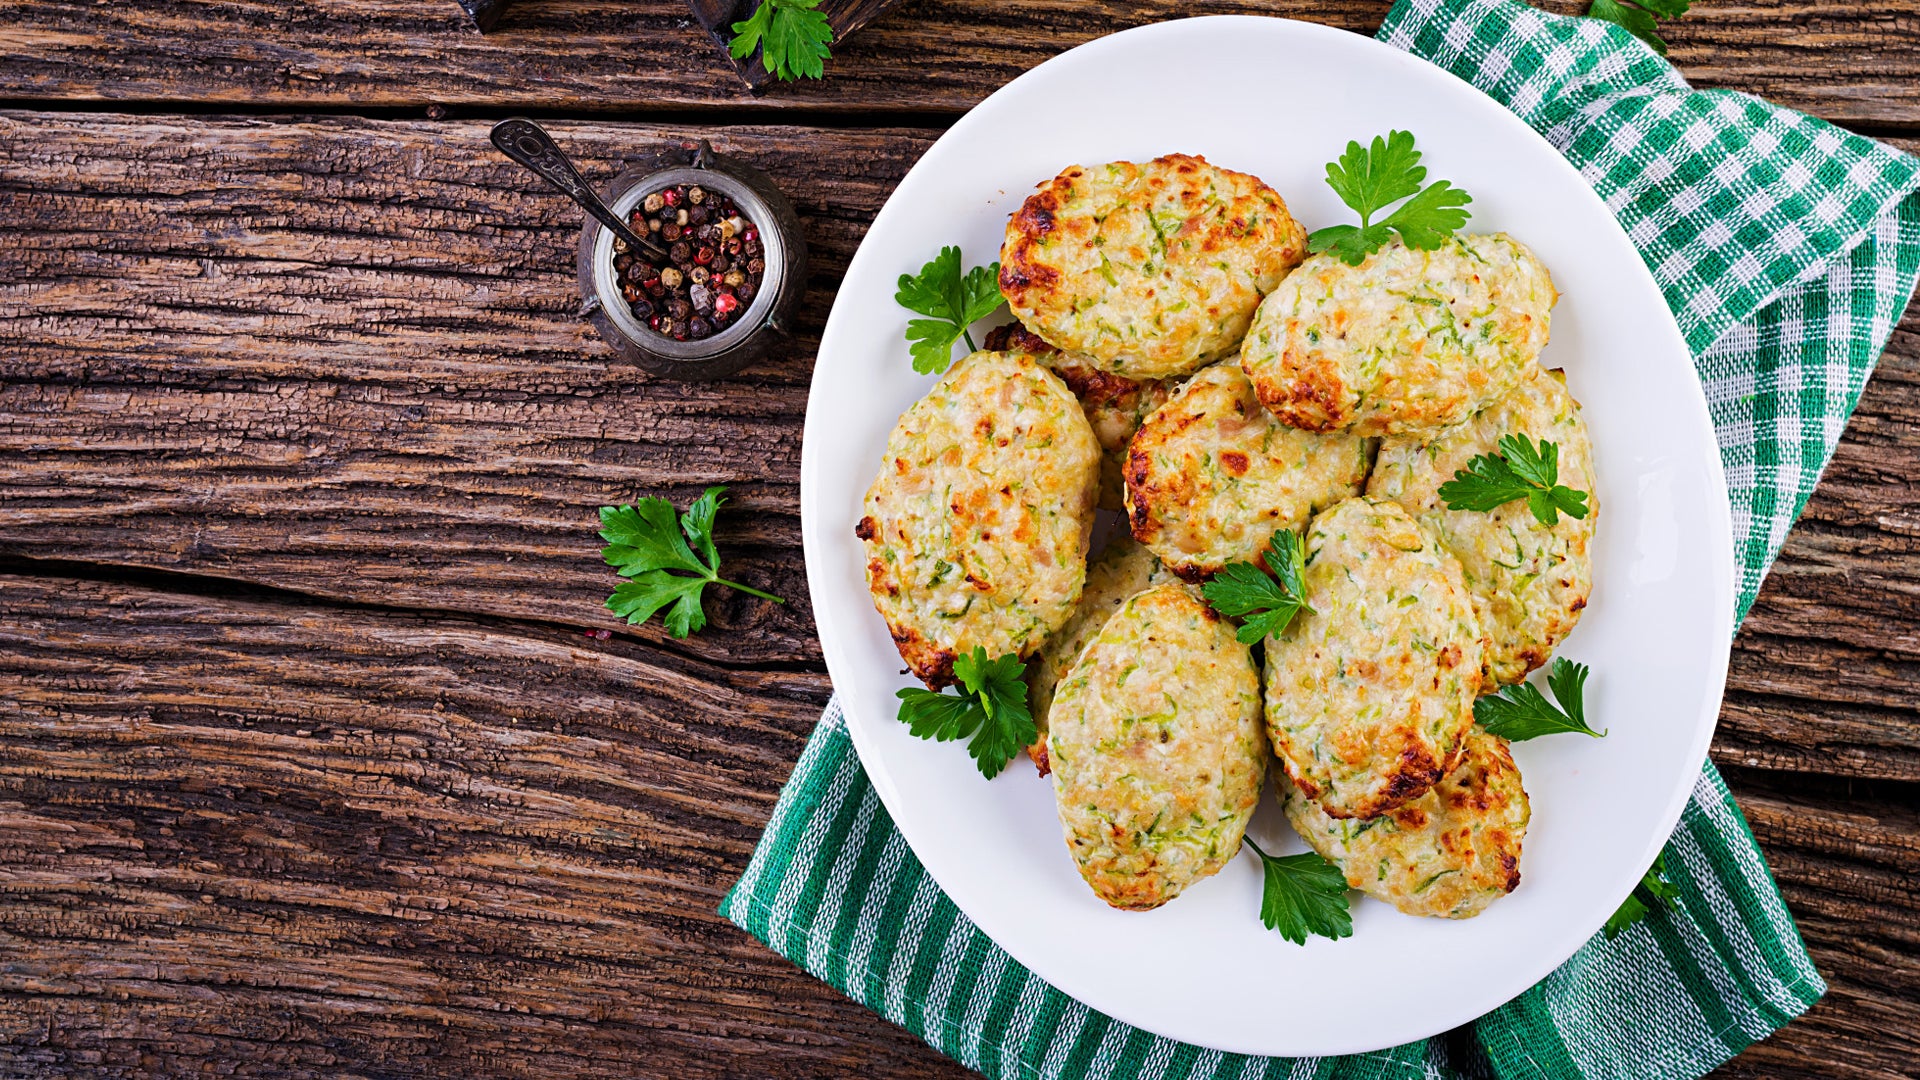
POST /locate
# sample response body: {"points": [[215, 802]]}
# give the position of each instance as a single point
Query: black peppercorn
{"points": [[669, 231], [697, 215], [681, 251], [699, 328], [745, 291], [756, 266], [679, 308], [719, 264], [642, 309]]}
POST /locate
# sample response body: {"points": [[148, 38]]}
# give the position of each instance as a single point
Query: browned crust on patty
{"points": [[1313, 401], [1013, 337], [1020, 271]]}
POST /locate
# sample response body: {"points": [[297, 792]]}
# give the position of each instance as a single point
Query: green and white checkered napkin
{"points": [[1787, 249]]}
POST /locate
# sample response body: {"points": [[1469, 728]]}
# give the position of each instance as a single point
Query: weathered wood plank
{"points": [[1848, 863], [243, 835], [344, 357], [1847, 61], [307, 841]]}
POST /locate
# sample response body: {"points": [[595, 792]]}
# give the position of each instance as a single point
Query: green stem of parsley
{"points": [[971, 347], [748, 589]]}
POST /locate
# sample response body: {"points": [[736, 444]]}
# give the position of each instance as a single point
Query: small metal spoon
{"points": [[527, 143]]}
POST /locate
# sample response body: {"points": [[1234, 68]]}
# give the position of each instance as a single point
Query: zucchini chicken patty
{"points": [[1407, 343], [1121, 570], [1211, 475], [1529, 581], [1369, 691], [1147, 270], [1449, 853], [1158, 757], [1115, 406], [976, 529]]}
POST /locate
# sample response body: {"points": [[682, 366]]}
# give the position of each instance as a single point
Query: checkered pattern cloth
{"points": [[1787, 249]]}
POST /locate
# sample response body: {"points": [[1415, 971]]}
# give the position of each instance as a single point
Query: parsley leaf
{"points": [[1303, 895], [1519, 471], [1371, 178], [990, 711], [792, 37], [1639, 16], [1521, 712], [1654, 891], [954, 300], [646, 543], [1246, 590]]}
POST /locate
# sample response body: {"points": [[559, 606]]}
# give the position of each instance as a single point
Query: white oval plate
{"points": [[1280, 99]]}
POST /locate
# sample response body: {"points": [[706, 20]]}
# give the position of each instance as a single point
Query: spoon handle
{"points": [[527, 143]]}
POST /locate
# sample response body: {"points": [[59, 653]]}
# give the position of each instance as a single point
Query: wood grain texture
{"points": [[1847, 61], [342, 790], [344, 357], [324, 842]]}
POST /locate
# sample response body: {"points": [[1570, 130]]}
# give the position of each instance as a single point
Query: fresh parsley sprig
{"points": [[1303, 895], [1371, 178], [990, 711], [1654, 891], [952, 300], [1519, 471], [792, 38], [646, 543], [1267, 602], [1639, 17], [1521, 712]]}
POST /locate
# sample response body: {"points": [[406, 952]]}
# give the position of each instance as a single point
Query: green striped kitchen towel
{"points": [[1787, 249]]}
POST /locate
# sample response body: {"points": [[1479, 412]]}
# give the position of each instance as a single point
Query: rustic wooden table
{"points": [[306, 766]]}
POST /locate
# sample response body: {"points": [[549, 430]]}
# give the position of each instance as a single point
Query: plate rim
{"points": [[1721, 553]]}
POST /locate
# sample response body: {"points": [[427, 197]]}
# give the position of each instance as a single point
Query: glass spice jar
{"points": [[687, 320]]}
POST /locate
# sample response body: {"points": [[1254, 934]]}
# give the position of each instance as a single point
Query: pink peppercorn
{"points": [[725, 303]]}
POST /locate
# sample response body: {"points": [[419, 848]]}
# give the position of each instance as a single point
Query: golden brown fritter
{"points": [[1449, 853], [976, 529], [1529, 581], [1211, 475], [1407, 343], [1147, 270], [1115, 576], [1115, 406], [1158, 757], [1369, 695]]}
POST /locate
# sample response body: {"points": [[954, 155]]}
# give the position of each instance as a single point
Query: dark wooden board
{"points": [[1847, 60], [305, 765], [326, 435]]}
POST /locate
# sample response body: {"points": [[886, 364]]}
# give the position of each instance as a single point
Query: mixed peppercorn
{"points": [[715, 269]]}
